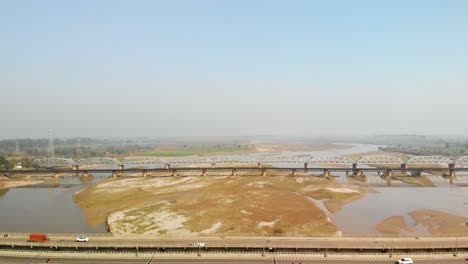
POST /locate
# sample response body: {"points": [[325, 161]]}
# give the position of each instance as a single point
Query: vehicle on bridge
{"points": [[38, 238], [405, 261], [198, 244], [82, 239]]}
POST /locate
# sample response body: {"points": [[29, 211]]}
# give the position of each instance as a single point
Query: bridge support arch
{"points": [[174, 173], [144, 173], [264, 172], [233, 172], [327, 174], [293, 172], [203, 172], [121, 167]]}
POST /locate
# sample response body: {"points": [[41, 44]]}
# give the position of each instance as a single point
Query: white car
{"points": [[82, 239], [198, 244], [405, 261]]}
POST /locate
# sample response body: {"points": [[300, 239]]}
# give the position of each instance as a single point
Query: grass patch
{"points": [[190, 150], [323, 194]]}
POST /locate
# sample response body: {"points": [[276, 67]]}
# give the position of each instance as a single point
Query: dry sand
{"points": [[439, 223], [394, 225], [293, 147], [434, 223], [6, 182], [212, 205]]}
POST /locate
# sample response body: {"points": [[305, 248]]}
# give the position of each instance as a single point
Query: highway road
{"points": [[5, 260], [247, 242]]}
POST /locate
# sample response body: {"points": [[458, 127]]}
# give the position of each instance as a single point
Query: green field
{"points": [[189, 150]]}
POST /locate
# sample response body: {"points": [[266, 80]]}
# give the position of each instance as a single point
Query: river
{"points": [[49, 207]]}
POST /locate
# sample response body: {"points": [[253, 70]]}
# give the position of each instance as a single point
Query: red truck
{"points": [[38, 238]]}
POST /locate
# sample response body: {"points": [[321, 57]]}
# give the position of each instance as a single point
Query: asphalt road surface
{"points": [[343, 243], [211, 261]]}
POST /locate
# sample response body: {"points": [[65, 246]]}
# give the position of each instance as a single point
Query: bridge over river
{"points": [[386, 166]]}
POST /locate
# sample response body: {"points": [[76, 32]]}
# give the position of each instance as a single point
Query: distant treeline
{"points": [[77, 148], [71, 148]]}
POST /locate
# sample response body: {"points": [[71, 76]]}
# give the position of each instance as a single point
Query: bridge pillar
{"points": [[404, 168], [452, 170], [121, 167], [388, 176], [306, 166], [167, 166], [114, 174], [174, 173], [75, 168], [452, 174], [347, 173], [356, 171], [56, 174], [85, 174], [293, 173], [144, 173], [326, 174], [264, 172], [259, 165], [213, 165], [203, 172], [233, 172]]}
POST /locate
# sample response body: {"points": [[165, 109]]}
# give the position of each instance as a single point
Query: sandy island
{"points": [[6, 182], [434, 223], [222, 205]]}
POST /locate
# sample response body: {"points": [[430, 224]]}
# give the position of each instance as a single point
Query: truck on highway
{"points": [[38, 238]]}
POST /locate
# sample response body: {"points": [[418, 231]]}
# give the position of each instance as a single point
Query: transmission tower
{"points": [[51, 144], [17, 150]]}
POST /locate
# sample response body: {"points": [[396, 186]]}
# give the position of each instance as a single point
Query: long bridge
{"points": [[255, 159], [382, 165]]}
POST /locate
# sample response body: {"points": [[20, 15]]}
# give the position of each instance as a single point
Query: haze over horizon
{"points": [[237, 68]]}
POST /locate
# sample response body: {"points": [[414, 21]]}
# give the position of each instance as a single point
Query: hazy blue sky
{"points": [[178, 68]]}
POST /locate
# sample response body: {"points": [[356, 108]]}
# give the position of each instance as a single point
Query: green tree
{"points": [[4, 163]]}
